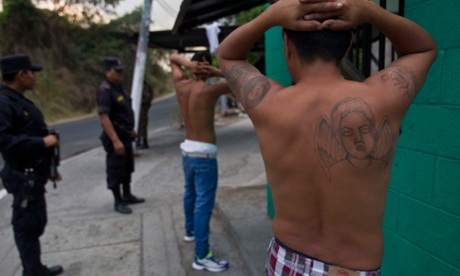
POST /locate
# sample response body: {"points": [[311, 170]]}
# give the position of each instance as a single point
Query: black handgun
{"points": [[55, 159]]}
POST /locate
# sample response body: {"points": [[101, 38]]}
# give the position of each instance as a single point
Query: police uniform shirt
{"points": [[16, 146], [113, 100]]}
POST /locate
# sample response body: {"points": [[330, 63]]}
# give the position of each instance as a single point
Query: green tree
{"points": [[9, 2], [84, 12], [72, 55], [155, 75], [21, 17], [129, 23], [242, 18]]}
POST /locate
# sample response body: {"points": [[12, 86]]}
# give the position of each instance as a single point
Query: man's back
{"points": [[328, 143], [197, 103], [329, 171], [196, 98]]}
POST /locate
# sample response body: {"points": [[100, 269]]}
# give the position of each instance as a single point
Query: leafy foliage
{"points": [[155, 74], [71, 56], [84, 12], [129, 23], [242, 18]]}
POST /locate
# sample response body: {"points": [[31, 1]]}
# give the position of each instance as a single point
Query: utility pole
{"points": [[141, 58]]}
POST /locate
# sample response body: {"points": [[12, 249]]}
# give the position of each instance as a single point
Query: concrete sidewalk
{"points": [[88, 238]]}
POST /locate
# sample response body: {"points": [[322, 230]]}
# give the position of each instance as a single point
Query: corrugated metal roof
{"points": [[196, 12], [193, 13], [185, 41]]}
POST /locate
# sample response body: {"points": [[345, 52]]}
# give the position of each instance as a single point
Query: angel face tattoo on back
{"points": [[350, 135]]}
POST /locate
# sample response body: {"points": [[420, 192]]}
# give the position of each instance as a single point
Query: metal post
{"points": [[382, 42], [367, 54], [402, 4], [141, 58]]}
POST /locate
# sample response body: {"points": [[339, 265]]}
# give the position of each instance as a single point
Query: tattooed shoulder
{"points": [[248, 84], [403, 78]]}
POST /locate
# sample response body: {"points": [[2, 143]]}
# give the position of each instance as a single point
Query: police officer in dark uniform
{"points": [[117, 119], [26, 147], [146, 102]]}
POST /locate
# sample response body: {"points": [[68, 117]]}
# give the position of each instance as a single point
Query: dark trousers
{"points": [[119, 167], [143, 123], [28, 225]]}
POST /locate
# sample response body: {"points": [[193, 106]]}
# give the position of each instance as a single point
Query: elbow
{"points": [[435, 50], [433, 46], [221, 60], [218, 55], [174, 58], [432, 51]]}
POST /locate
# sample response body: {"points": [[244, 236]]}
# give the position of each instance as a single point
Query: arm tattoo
{"points": [[403, 78], [248, 84]]}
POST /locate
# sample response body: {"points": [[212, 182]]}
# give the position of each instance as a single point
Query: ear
{"points": [[287, 47], [20, 74], [351, 43]]}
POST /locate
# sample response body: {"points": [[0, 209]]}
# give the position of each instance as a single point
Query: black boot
{"points": [[142, 144], [121, 208], [131, 199], [45, 271], [128, 197], [55, 270], [138, 143], [145, 145]]}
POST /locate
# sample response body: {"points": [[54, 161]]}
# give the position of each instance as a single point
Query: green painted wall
{"points": [[276, 68], [422, 219]]}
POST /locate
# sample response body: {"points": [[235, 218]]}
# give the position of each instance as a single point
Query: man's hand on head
{"points": [[199, 69], [291, 13], [351, 14]]}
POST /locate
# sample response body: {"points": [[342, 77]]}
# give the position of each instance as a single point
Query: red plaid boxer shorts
{"points": [[283, 261]]}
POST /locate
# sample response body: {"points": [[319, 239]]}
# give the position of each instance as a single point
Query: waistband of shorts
{"points": [[200, 155], [294, 251], [197, 146], [282, 245]]}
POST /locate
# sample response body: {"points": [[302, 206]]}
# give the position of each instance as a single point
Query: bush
{"points": [[71, 56]]}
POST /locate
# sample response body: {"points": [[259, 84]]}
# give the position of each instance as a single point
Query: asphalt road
{"points": [[87, 237], [81, 135]]}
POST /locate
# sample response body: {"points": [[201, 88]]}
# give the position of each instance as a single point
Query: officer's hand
{"points": [[50, 140], [119, 148], [134, 134]]}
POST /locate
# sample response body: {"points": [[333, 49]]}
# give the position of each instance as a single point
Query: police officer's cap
{"points": [[113, 63], [14, 63]]}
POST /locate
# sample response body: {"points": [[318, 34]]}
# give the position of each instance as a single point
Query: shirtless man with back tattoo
{"points": [[327, 143]]}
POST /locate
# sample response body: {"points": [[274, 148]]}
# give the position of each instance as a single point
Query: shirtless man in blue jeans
{"points": [[197, 101], [327, 143]]}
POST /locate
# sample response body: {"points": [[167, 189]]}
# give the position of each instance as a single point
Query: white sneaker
{"points": [[189, 236], [210, 263]]}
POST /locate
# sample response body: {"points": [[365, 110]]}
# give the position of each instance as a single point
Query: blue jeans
{"points": [[200, 192]]}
